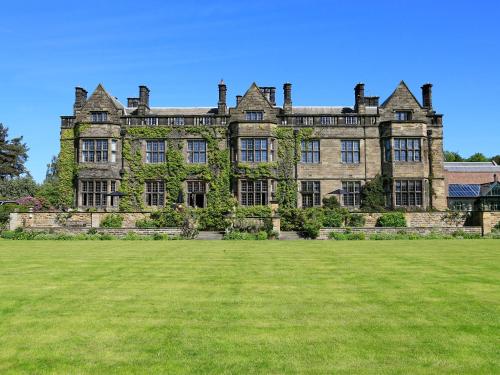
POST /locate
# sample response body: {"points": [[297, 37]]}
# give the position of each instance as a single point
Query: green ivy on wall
{"points": [[289, 146], [175, 171], [67, 165]]}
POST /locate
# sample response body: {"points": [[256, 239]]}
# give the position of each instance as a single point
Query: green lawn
{"points": [[151, 307]]}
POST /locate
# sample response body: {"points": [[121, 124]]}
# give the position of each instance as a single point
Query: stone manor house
{"points": [[400, 139]]}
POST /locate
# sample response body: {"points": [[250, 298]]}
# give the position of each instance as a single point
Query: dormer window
{"points": [[254, 115], [97, 117], [402, 115]]}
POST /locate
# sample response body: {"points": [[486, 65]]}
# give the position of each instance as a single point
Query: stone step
{"points": [[290, 236], [209, 235]]}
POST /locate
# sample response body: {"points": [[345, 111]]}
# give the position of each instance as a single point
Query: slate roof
{"points": [[471, 167], [329, 110], [177, 111]]}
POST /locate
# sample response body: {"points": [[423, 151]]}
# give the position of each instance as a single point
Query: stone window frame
{"points": [[154, 193], [350, 155], [308, 153], [254, 115], [408, 192], [98, 117], [194, 188], [351, 195], [351, 120], [403, 115], [400, 148], [249, 153], [310, 191], [327, 120], [91, 195], [94, 150], [204, 120], [155, 155], [195, 154], [150, 121], [254, 192], [303, 120]]}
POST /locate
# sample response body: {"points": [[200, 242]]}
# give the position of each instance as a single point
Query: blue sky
{"points": [[181, 49]]}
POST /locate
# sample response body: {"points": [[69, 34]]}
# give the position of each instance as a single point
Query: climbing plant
{"points": [[66, 164], [175, 170]]}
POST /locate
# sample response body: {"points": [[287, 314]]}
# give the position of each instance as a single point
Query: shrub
{"points": [[331, 202], [392, 219], [496, 228], [333, 218], [211, 218], [373, 195], [237, 235], [112, 221], [92, 231], [310, 229], [356, 220], [146, 223], [5, 211], [465, 235], [291, 218], [347, 235]]}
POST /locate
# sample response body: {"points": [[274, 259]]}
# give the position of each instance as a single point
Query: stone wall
{"points": [[489, 220], [69, 220], [416, 219], [324, 233], [117, 232]]}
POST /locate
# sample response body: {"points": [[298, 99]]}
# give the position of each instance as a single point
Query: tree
{"points": [[17, 187], [452, 156], [373, 195], [13, 155], [478, 157], [496, 159], [49, 191]]}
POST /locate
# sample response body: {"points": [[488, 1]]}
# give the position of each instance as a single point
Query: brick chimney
{"points": [[143, 105], [80, 98], [238, 99], [427, 96], [287, 94], [222, 107], [359, 97]]}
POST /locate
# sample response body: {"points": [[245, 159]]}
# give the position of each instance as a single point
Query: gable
{"points": [[402, 98], [100, 100], [254, 99]]}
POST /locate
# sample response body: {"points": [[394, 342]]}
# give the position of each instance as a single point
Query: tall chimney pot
{"points": [[222, 98], [427, 96], [287, 94]]}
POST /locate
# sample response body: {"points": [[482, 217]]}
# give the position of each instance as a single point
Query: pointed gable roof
{"points": [[401, 94], [254, 99], [100, 93]]}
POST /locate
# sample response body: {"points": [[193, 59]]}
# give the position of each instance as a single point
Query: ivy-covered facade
{"points": [[137, 157]]}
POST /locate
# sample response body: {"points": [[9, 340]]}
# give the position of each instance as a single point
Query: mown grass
{"points": [[379, 307]]}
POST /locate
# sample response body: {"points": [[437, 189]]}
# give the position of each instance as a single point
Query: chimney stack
{"points": [[269, 93], [427, 96], [80, 98], [222, 98], [238, 99], [132, 102], [287, 94], [359, 97], [143, 105]]}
